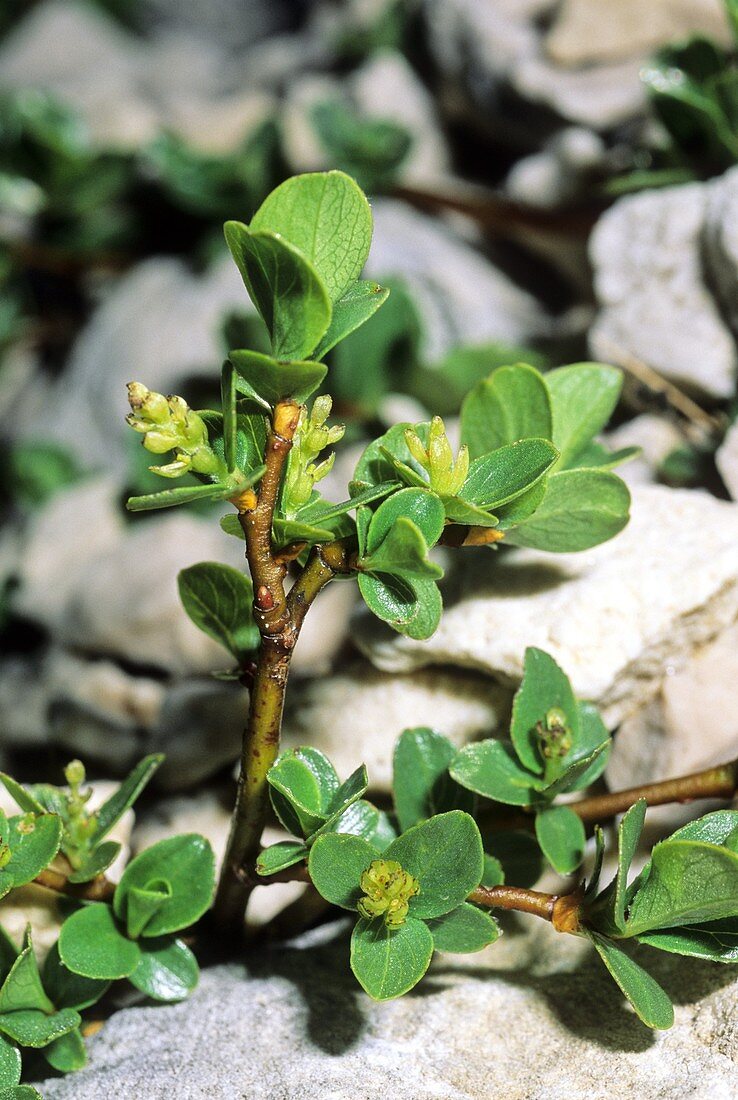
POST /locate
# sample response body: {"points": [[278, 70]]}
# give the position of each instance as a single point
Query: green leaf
{"points": [[22, 988], [463, 930], [719, 827], [368, 496], [32, 1028], [709, 941], [250, 436], [581, 508], [279, 856], [285, 288], [492, 768], [184, 494], [593, 733], [649, 1000], [629, 835], [347, 794], [143, 904], [512, 404], [562, 838], [307, 780], [544, 686], [364, 819], [379, 461], [167, 970], [113, 808], [66, 989], [500, 476], [67, 1053], [228, 402], [96, 862], [411, 609], [25, 799], [327, 217], [403, 553], [268, 380], [422, 507], [388, 962], [337, 862], [494, 874], [10, 1064], [187, 864], [689, 882], [20, 1092], [360, 302], [422, 786], [513, 514], [91, 944], [571, 778], [219, 599], [445, 855], [583, 397], [33, 841]]}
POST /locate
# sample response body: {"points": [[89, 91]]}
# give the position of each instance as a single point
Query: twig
{"points": [[98, 889]]}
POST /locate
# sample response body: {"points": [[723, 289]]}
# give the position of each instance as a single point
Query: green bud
{"points": [[169, 424], [387, 892], [445, 476], [75, 773], [554, 734], [311, 438]]}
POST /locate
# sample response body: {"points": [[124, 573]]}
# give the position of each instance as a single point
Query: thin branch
{"points": [[98, 889]]}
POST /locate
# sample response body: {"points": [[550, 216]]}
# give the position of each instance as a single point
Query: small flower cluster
{"points": [[446, 477], [311, 438], [169, 424], [387, 892]]}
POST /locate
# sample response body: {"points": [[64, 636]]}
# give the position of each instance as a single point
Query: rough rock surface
{"points": [[614, 617], [462, 297], [534, 1016], [357, 715], [647, 252]]}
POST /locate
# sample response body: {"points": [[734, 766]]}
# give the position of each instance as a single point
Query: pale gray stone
{"points": [[657, 437], [726, 460], [655, 303], [534, 1016], [461, 296], [356, 715], [614, 617], [720, 242]]}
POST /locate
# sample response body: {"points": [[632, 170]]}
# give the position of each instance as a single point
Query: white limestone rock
{"points": [[726, 460], [720, 243], [614, 617], [461, 296], [535, 1015], [655, 304], [356, 716], [586, 32]]}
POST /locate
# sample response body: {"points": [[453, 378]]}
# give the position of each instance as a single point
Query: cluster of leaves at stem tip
{"points": [[692, 85], [108, 932]]}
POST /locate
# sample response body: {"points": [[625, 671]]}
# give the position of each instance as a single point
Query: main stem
{"points": [[279, 617]]}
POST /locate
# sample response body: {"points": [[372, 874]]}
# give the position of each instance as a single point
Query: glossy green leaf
{"points": [[413, 609], [517, 511], [512, 404], [32, 1028], [307, 781], [280, 856], [166, 970], [91, 944], [629, 835], [360, 302], [544, 686], [142, 904], [422, 507], [67, 1053], [492, 768], [285, 288], [23, 987], [25, 798], [97, 861], [463, 930], [403, 553], [112, 810], [10, 1064], [364, 819], [219, 599], [337, 862], [562, 838], [388, 962], [445, 855], [581, 508], [67, 989], [462, 511], [494, 874], [689, 882], [249, 439], [187, 864], [183, 494], [379, 461], [649, 1000], [592, 734], [571, 778], [347, 794], [583, 397], [20, 1092], [33, 840], [421, 784], [499, 477], [327, 217], [716, 941], [719, 827], [268, 380]]}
